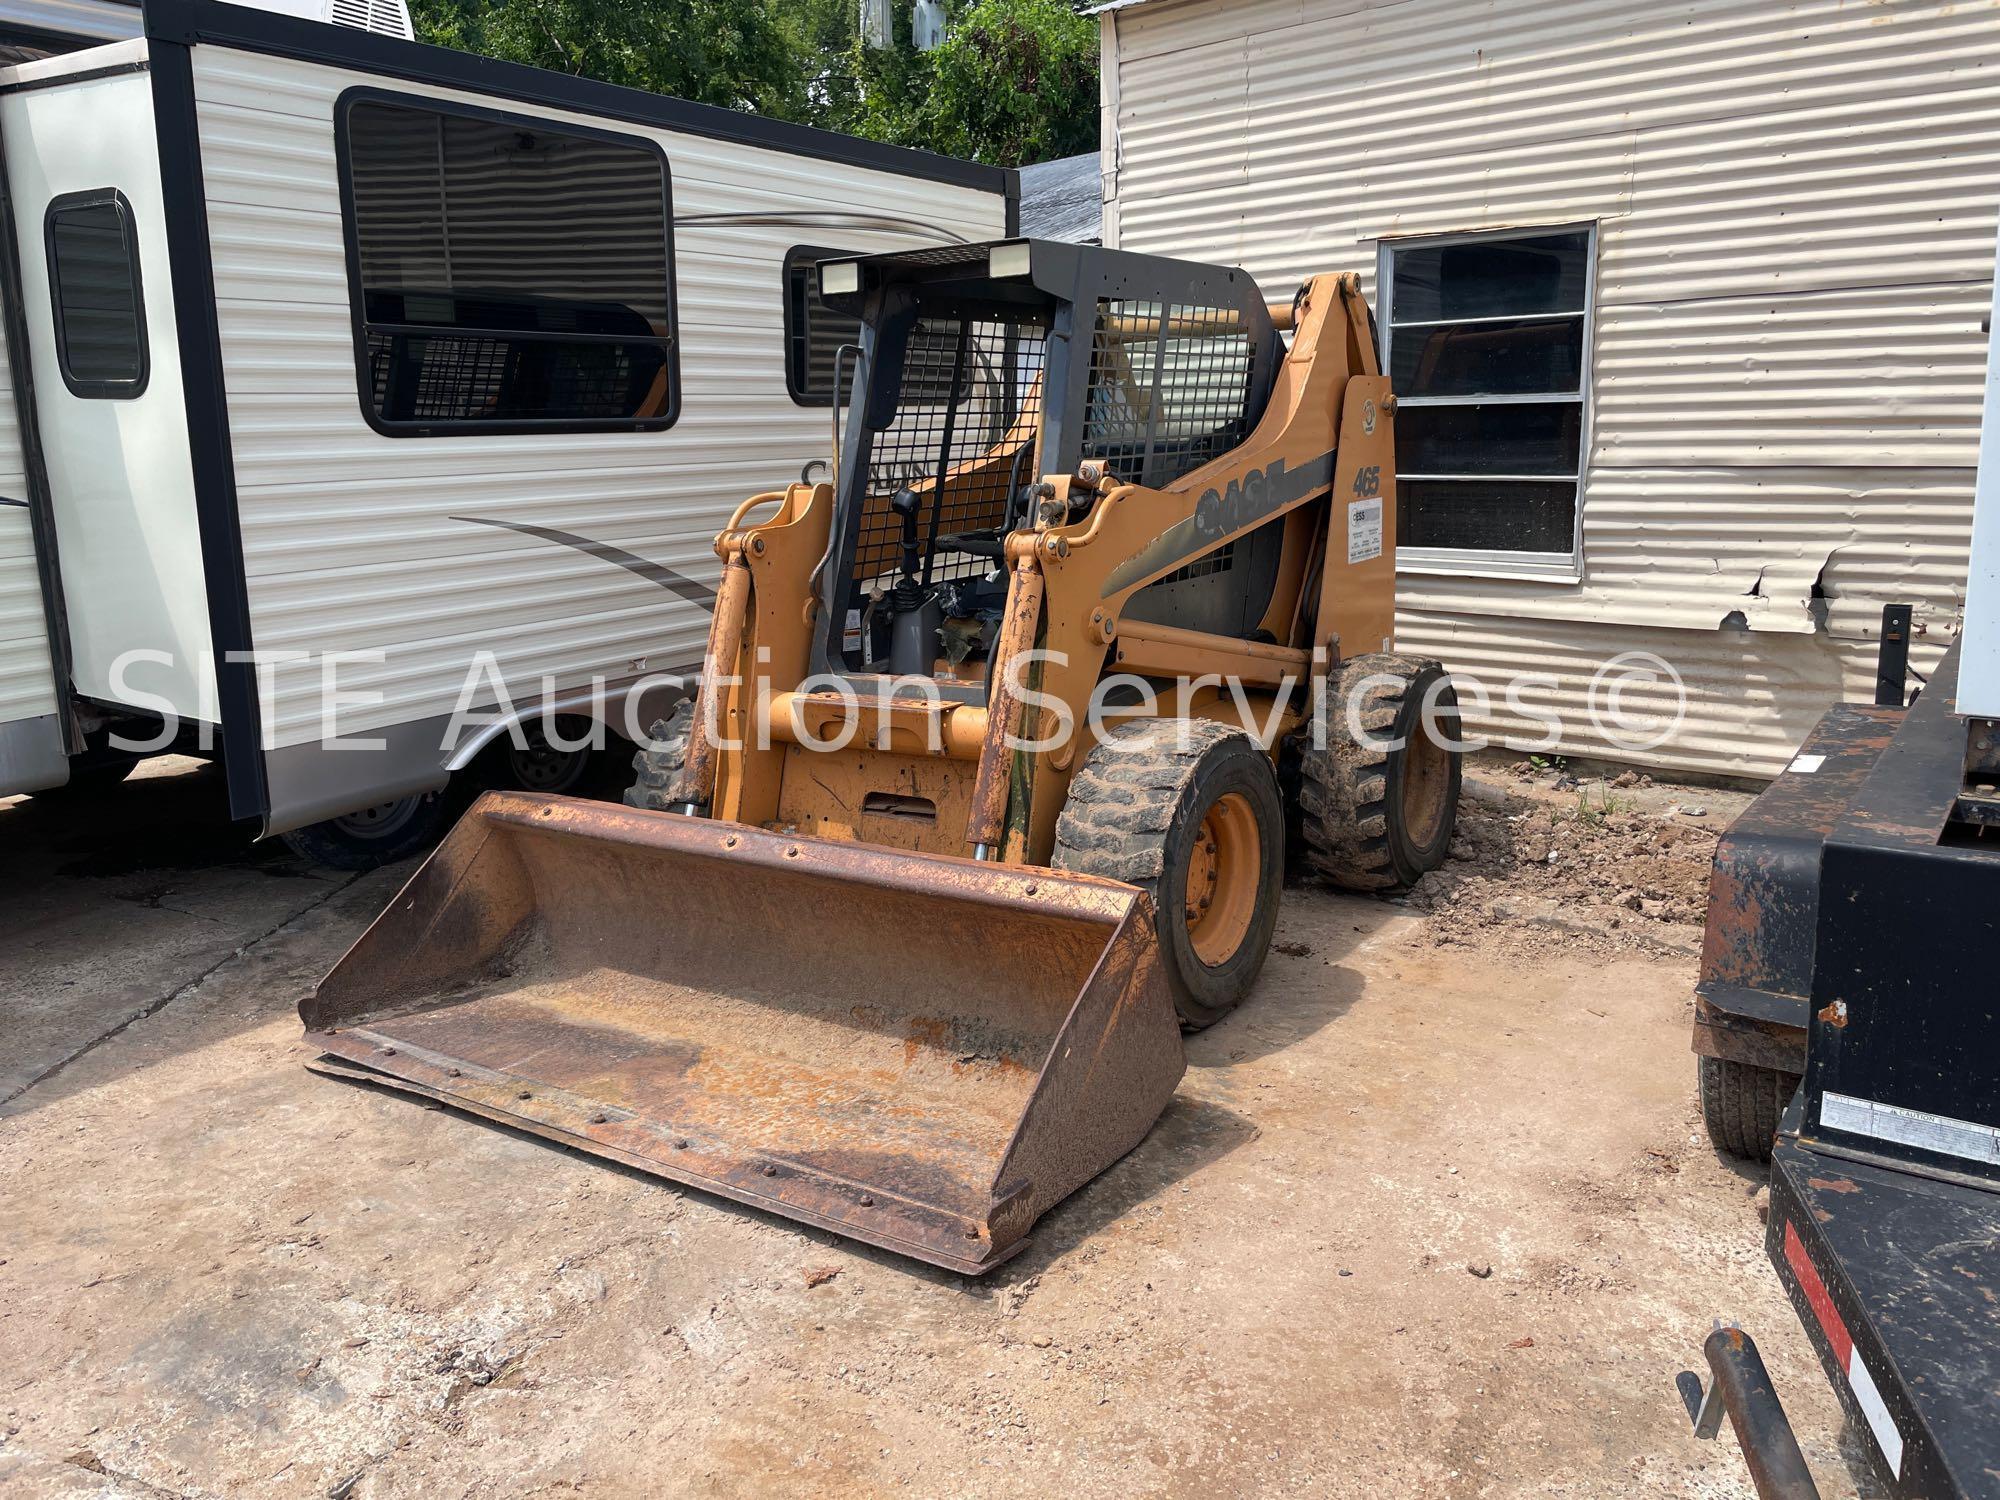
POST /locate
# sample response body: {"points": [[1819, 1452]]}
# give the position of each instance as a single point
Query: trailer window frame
{"points": [[800, 287], [1563, 565], [86, 387], [668, 341]]}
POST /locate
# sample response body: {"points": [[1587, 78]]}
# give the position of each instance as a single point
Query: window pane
{"points": [[511, 237], [1489, 359], [814, 332], [1531, 517], [1508, 438], [94, 274], [1492, 278]]}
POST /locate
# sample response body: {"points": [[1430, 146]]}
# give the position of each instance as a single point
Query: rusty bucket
{"points": [[921, 1052]]}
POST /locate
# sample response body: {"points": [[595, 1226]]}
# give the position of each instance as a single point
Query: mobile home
{"points": [[369, 399], [1683, 305]]}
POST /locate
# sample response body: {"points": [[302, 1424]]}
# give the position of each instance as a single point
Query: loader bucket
{"points": [[921, 1052]]}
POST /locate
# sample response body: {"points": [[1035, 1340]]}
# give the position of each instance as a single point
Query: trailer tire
{"points": [[658, 765], [1187, 810], [371, 836], [1741, 1104], [1376, 819]]}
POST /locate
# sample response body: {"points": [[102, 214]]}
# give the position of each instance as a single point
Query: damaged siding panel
{"points": [[1750, 547], [1744, 703]]}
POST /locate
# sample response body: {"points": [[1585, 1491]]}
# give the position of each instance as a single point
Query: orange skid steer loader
{"points": [[1000, 742]]}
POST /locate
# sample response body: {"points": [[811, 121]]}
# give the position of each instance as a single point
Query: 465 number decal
{"points": [[1368, 480]]}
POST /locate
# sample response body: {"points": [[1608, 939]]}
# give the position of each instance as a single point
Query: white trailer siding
{"points": [[27, 673], [121, 487], [355, 542], [1794, 210]]}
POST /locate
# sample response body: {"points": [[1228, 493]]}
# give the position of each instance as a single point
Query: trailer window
{"points": [[814, 332], [1488, 341], [506, 275], [100, 323]]}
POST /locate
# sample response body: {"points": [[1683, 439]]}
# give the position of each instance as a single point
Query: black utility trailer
{"points": [[1884, 1219]]}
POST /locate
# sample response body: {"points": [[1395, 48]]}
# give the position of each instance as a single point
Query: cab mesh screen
{"points": [[967, 418], [1169, 388]]}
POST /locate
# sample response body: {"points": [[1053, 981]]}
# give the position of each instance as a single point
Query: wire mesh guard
{"points": [[472, 376], [968, 416], [1169, 388]]}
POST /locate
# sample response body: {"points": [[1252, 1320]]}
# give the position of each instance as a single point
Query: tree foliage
{"points": [[1014, 82], [736, 53]]}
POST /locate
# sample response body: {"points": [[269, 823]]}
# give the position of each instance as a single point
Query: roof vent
{"points": [[384, 17]]}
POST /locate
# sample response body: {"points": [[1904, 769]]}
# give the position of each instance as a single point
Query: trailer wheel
{"points": [[1741, 1104], [1187, 810], [656, 768], [1376, 818], [538, 766], [371, 836]]}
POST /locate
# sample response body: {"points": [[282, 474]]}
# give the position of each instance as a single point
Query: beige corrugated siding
{"points": [[1795, 211]]}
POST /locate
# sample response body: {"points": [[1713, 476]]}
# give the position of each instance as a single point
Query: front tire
{"points": [[658, 765], [1188, 811]]}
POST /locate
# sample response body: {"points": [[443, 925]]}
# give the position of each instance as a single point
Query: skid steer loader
{"points": [[1000, 741]]}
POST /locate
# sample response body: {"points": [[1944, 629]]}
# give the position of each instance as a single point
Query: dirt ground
{"points": [[1432, 1215]]}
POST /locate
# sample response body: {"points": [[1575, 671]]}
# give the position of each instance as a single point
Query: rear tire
{"points": [[371, 836], [1376, 819], [1188, 811], [1741, 1104], [658, 766]]}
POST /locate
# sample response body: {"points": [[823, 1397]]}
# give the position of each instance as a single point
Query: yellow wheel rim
{"points": [[1426, 785], [1225, 868]]}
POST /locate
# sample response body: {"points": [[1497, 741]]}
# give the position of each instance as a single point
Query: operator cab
{"points": [[980, 369]]}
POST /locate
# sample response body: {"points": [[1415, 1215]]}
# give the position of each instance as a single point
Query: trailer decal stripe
{"points": [[1867, 1395], [1817, 1296]]}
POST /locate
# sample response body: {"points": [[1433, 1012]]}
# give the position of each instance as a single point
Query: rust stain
{"points": [[1832, 1184], [1835, 1014]]}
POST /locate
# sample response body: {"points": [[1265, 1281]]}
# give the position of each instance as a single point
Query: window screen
{"points": [[814, 332], [93, 256], [507, 276], [1488, 344]]}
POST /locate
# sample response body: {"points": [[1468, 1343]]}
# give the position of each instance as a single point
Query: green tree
{"points": [[737, 53], [1014, 82]]}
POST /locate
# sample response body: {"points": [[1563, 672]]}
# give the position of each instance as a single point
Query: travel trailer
{"points": [[373, 406]]}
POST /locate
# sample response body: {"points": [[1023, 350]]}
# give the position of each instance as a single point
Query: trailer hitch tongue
{"points": [[913, 1050], [1741, 1387]]}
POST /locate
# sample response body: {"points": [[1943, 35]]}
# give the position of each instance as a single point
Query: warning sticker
{"points": [[1364, 530]]}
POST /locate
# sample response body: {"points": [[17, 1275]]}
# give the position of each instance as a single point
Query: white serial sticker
{"points": [[1805, 765], [850, 637], [1364, 530]]}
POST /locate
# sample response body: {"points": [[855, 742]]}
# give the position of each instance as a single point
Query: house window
{"points": [[506, 276], [93, 255], [814, 332], [1489, 355]]}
